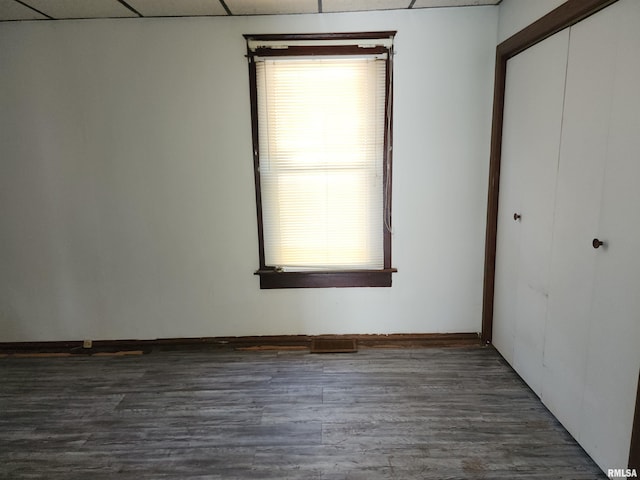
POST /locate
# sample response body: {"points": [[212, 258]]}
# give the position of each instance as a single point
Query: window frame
{"points": [[270, 277]]}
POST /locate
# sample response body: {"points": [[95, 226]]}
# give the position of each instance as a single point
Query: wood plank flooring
{"points": [[435, 413]]}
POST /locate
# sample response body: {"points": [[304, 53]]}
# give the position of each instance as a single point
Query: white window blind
{"points": [[321, 139]]}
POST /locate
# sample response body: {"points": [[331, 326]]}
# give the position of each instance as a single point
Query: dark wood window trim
{"points": [[340, 278], [566, 15], [270, 278]]}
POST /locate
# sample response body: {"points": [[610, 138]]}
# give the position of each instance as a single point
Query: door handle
{"points": [[597, 243], [516, 217]]}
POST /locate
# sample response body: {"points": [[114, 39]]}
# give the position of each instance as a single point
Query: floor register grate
{"points": [[334, 345]]}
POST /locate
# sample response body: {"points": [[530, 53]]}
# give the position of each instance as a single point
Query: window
{"points": [[321, 118]]}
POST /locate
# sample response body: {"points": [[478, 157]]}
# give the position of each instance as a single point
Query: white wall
{"points": [[517, 14], [127, 206]]}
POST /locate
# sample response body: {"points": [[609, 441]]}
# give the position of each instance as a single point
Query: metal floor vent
{"points": [[334, 345]]}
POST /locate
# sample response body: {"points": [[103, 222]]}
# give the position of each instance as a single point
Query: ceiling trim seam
{"points": [[226, 7], [34, 9], [125, 4]]}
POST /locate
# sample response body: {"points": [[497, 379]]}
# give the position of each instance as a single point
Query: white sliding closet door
{"points": [[591, 350], [613, 358], [531, 141], [585, 127], [567, 310]]}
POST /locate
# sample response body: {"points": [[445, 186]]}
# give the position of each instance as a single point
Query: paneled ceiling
{"points": [[15, 10]]}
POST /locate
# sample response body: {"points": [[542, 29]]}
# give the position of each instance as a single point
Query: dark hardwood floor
{"points": [[432, 413]]}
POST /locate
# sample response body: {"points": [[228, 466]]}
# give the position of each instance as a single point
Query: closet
{"points": [[567, 273]]}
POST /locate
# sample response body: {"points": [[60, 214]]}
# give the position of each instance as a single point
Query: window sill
{"points": [[270, 279]]}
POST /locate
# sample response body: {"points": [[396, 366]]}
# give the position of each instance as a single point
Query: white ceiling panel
{"points": [[271, 7], [453, 3], [61, 9], [11, 10], [177, 8], [81, 8], [361, 5]]}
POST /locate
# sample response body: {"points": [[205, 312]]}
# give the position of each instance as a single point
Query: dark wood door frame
{"points": [[634, 449], [566, 15]]}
